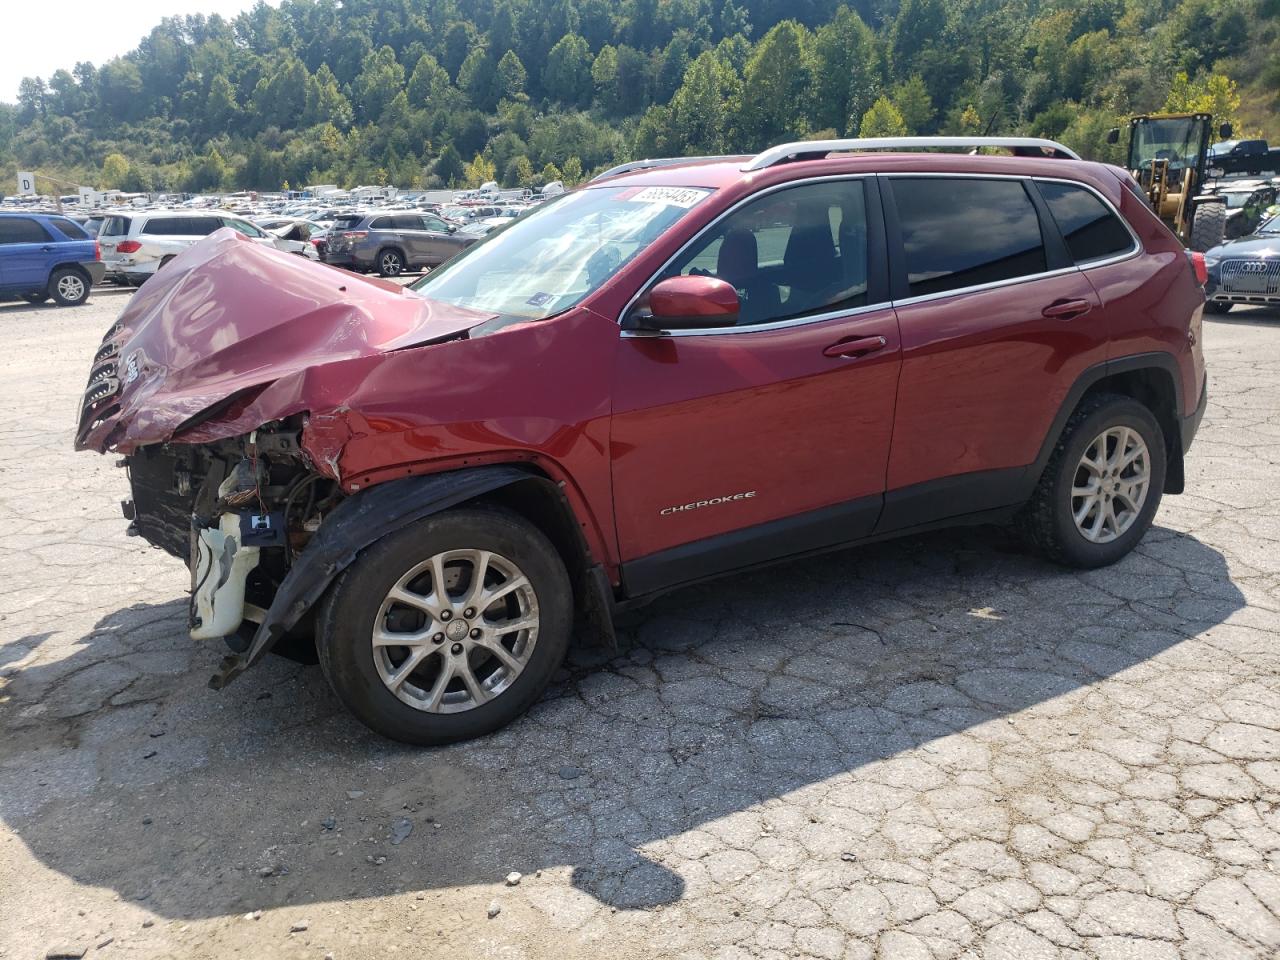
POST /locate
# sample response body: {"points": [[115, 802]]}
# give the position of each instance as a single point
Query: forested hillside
{"points": [[431, 92]]}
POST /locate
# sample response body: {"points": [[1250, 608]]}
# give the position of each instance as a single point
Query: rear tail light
{"points": [[97, 250], [1199, 266], [128, 246], [356, 234]]}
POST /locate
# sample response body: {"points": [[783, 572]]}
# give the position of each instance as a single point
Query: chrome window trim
{"points": [[1136, 250], [771, 325]]}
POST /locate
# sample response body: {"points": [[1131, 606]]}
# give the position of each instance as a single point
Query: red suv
{"points": [[683, 370]]}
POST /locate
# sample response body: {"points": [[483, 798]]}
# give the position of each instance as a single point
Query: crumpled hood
{"points": [[229, 317]]}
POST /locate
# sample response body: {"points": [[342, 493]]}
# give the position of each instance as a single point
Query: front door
{"points": [[26, 250], [769, 438]]}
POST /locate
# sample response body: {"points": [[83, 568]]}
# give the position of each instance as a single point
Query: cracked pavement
{"points": [[940, 747]]}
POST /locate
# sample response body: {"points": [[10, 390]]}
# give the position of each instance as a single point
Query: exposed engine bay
{"points": [[237, 512]]}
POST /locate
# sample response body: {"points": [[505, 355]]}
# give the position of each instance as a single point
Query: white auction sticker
{"points": [[671, 196]]}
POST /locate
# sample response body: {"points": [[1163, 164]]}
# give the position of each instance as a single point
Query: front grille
{"points": [[1255, 278]]}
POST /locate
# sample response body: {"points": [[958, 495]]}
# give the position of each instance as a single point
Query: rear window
{"points": [[22, 230], [115, 227], [1091, 230], [69, 228], [348, 221], [965, 232]]}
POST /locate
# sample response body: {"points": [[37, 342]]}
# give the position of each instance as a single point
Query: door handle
{"points": [[46, 249], [855, 347], [1066, 309]]}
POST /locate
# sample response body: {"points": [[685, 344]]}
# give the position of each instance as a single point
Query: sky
{"points": [[91, 30]]}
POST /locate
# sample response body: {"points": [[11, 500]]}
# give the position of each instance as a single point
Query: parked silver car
{"points": [[393, 242], [137, 244]]}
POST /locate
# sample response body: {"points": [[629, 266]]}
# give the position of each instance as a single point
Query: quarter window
{"points": [[792, 253], [960, 232], [70, 229], [1092, 232], [22, 230]]}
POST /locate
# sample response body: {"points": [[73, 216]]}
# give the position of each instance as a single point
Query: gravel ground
{"points": [[934, 748]]}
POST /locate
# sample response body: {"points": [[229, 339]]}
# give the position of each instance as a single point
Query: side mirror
{"points": [[1113, 136], [1224, 132], [689, 303], [452, 228]]}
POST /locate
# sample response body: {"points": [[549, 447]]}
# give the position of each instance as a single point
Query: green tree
{"points": [[912, 101], [779, 78], [604, 76], [519, 172], [512, 77], [449, 166], [115, 168], [1211, 93], [381, 78], [882, 120], [549, 173], [700, 113], [572, 172], [567, 77], [844, 73]]}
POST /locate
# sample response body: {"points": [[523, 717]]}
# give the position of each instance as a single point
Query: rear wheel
{"points": [[1208, 226], [1102, 486], [69, 287], [390, 262], [1216, 306], [449, 628]]}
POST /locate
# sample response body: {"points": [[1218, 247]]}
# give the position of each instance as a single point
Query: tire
{"points": [[390, 262], [1208, 226], [36, 296], [361, 673], [1048, 523], [1217, 306], [69, 287], [164, 262]]}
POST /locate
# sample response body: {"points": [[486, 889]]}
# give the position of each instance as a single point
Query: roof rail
{"points": [[816, 149], [653, 163]]}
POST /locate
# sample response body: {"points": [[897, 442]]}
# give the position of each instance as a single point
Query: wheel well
{"points": [[540, 501], [72, 265], [1154, 388], [392, 247]]}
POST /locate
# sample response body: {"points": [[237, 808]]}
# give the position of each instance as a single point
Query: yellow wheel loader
{"points": [[1167, 156]]}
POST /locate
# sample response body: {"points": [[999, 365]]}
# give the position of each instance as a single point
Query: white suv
{"points": [[136, 245]]}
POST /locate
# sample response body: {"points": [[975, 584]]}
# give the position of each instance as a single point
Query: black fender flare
{"points": [[357, 522]]}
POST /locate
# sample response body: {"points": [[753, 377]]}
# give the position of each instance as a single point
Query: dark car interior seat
{"points": [[738, 263], [811, 263]]}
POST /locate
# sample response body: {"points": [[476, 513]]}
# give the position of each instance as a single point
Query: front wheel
{"points": [[449, 628], [1102, 485], [69, 287], [1208, 226]]}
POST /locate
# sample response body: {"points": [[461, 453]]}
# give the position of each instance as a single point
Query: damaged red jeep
{"points": [[683, 370]]}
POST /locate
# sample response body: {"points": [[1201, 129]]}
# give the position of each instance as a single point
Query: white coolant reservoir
{"points": [[220, 566]]}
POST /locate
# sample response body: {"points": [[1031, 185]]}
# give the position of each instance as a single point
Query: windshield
{"points": [[1177, 141], [1237, 200], [1270, 226], [547, 261]]}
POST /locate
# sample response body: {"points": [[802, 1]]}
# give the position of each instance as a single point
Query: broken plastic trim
{"points": [[356, 523]]}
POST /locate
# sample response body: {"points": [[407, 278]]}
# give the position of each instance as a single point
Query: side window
{"points": [[408, 222], [434, 223], [1091, 230], [792, 253], [161, 227], [22, 230], [69, 228], [960, 232], [115, 226], [382, 223], [240, 226]]}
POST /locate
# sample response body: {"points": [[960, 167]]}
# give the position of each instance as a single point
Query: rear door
{"points": [[27, 251], [997, 323], [769, 438]]}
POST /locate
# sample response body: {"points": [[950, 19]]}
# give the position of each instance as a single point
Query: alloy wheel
{"points": [[1111, 484], [391, 264], [455, 631], [70, 287]]}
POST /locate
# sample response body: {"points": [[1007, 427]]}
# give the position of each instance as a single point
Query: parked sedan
{"points": [[1246, 270], [393, 242]]}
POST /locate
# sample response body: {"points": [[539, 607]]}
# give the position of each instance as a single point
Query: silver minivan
{"points": [[138, 243]]}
